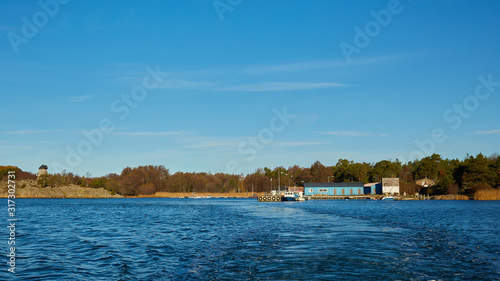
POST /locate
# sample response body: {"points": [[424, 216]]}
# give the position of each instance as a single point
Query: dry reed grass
{"points": [[487, 194], [184, 194]]}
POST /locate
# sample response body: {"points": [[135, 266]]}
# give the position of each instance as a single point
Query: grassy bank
{"points": [[487, 194]]}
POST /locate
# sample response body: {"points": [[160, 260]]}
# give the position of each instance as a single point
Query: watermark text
{"points": [[31, 27], [11, 221]]}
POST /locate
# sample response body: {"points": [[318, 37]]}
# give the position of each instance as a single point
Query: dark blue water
{"points": [[242, 239]]}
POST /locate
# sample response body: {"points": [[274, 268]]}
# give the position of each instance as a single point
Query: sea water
{"points": [[242, 239]]}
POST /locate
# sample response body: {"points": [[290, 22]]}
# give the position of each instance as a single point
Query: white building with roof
{"points": [[390, 185]]}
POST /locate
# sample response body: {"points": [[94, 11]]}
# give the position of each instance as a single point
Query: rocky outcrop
{"points": [[29, 189]]}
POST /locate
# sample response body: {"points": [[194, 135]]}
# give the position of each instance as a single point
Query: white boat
{"points": [[194, 196], [387, 198], [294, 196], [290, 196]]}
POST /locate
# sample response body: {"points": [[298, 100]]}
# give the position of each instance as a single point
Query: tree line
{"points": [[451, 176], [20, 174]]}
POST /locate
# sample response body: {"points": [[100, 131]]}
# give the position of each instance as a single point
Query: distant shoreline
{"points": [[29, 189], [218, 196]]}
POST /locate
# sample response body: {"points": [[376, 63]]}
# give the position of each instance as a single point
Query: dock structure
{"points": [[270, 198]]}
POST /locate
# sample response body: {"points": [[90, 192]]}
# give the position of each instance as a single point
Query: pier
{"points": [[270, 198]]}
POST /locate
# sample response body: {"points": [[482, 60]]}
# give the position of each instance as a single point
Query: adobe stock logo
{"points": [[265, 136], [121, 108], [40, 19], [223, 6]]}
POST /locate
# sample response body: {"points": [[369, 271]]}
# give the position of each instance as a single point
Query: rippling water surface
{"points": [[242, 239]]}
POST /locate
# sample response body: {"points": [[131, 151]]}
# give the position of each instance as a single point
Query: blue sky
{"points": [[245, 84]]}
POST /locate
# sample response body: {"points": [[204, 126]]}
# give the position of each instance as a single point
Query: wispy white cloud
{"points": [[209, 78], [299, 143], [487, 132], [150, 134], [280, 86], [177, 83], [79, 98], [28, 132], [205, 145], [49, 142], [8, 147], [264, 69], [296, 66], [351, 133], [9, 28], [307, 119], [312, 65], [233, 143]]}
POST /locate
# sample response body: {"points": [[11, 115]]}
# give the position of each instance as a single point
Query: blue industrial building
{"points": [[373, 188], [334, 188]]}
